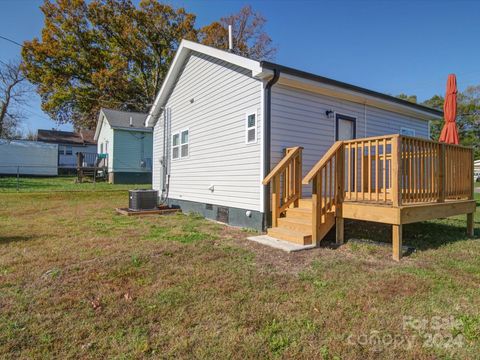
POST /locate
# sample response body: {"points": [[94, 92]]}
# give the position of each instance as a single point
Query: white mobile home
{"points": [[127, 146], [222, 122], [28, 158]]}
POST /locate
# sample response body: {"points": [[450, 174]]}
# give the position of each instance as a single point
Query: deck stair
{"points": [[391, 179], [296, 225]]}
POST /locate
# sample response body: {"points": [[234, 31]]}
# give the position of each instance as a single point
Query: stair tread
{"points": [[302, 221], [289, 231], [299, 209]]}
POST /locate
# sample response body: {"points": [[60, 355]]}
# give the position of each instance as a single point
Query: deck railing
{"points": [[327, 186], [391, 169], [405, 170], [286, 180]]}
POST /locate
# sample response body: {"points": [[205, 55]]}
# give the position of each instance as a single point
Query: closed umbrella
{"points": [[449, 132]]}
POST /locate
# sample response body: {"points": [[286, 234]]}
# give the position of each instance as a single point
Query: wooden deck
{"points": [[391, 179]]}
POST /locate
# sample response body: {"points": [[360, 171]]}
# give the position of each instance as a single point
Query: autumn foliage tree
{"points": [[248, 35], [111, 53]]}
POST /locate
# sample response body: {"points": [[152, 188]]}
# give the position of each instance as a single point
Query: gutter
{"points": [[267, 143]]}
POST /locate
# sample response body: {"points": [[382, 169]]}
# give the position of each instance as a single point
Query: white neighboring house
{"points": [[222, 121], [69, 144], [127, 144], [28, 158]]}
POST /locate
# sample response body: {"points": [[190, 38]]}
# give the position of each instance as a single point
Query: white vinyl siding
{"points": [[299, 119], [105, 142], [212, 98]]}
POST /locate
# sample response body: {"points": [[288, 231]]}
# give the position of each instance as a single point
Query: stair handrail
{"points": [[293, 152], [290, 167], [327, 173], [322, 162]]}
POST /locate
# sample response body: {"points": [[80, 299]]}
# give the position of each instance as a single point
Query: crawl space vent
{"points": [[222, 214]]}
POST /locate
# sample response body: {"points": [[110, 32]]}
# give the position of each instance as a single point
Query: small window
{"points": [[68, 150], [61, 150], [184, 143], [407, 131], [251, 128], [180, 144]]}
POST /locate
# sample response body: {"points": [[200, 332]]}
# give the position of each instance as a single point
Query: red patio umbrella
{"points": [[449, 133]]}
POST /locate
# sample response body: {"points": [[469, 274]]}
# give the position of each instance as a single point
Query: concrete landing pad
{"points": [[279, 244]]}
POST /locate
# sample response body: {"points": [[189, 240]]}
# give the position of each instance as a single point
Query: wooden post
{"points": [[470, 225], [316, 206], [298, 180], [441, 173], [275, 200], [339, 228], [397, 242], [340, 184], [472, 174], [396, 169]]}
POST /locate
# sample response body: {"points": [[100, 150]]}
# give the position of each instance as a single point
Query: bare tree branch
{"points": [[13, 94]]}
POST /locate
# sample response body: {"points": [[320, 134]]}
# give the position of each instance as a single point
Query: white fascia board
{"points": [[351, 95], [185, 48]]}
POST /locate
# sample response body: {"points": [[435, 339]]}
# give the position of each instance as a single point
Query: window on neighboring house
{"points": [[407, 131], [61, 150], [68, 150], [251, 128], [180, 144]]}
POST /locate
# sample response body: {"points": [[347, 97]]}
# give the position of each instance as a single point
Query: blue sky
{"points": [[388, 46]]}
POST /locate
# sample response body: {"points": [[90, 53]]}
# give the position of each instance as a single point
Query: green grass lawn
{"points": [[79, 281], [59, 183]]}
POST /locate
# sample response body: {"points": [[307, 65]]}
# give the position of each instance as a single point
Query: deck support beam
{"points": [[339, 230], [470, 225], [397, 242]]}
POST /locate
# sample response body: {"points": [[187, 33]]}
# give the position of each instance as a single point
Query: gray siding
{"points": [[222, 94], [298, 118]]}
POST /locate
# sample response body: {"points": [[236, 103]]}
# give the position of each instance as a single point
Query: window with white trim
{"points": [[251, 128], [180, 144], [407, 131]]}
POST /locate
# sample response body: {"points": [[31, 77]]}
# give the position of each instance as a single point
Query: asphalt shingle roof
{"points": [[118, 118], [64, 137]]}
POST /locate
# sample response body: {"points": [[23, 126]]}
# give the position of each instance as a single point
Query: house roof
{"points": [[64, 137], [340, 84], [121, 120], [88, 135], [264, 70]]}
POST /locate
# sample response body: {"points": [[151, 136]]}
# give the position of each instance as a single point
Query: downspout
{"points": [[267, 144]]}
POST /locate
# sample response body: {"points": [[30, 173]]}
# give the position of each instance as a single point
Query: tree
{"points": [[411, 98], [111, 53], [468, 117], [248, 35], [13, 91], [103, 54]]}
